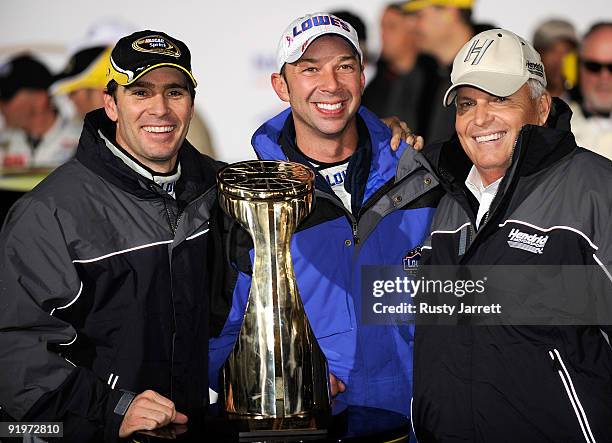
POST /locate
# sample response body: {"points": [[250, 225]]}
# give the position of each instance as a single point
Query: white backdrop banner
{"points": [[233, 43]]}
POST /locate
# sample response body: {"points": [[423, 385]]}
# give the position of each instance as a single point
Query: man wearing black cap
{"points": [[39, 135], [104, 265], [83, 81]]}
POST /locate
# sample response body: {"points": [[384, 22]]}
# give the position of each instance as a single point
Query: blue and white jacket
{"points": [[329, 249]]}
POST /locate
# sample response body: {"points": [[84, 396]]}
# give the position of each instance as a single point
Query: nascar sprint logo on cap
{"points": [[156, 44]]}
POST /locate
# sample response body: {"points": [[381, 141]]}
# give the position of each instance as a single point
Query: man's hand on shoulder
{"points": [[400, 131], [149, 410]]}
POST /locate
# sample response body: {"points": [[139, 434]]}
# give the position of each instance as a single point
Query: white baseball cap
{"points": [[498, 62], [304, 30]]}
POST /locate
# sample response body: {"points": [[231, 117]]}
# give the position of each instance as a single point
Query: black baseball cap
{"points": [[141, 52], [23, 72]]}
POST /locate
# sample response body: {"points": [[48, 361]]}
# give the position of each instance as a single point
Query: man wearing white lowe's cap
{"points": [[513, 173], [374, 206]]}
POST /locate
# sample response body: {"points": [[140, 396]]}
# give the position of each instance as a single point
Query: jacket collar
{"points": [[383, 161], [198, 171]]}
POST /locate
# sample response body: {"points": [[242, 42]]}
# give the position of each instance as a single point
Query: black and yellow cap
{"points": [[86, 69], [141, 52]]}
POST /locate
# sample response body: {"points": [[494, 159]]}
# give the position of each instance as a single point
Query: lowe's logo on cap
{"points": [[303, 31], [319, 20], [156, 44]]}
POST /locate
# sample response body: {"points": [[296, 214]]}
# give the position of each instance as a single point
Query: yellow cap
{"points": [[94, 77], [569, 68], [417, 5]]}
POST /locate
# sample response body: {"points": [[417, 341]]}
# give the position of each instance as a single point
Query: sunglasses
{"points": [[596, 67]]}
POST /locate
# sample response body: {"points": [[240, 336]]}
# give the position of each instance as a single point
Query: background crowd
{"points": [[42, 107]]}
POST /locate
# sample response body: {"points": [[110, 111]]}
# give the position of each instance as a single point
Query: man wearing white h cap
{"points": [[373, 207], [519, 191]]}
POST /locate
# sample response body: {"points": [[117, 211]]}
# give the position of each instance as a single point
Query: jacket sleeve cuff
{"points": [[116, 406]]}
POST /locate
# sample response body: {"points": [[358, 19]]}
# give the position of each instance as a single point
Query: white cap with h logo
{"points": [[498, 62]]}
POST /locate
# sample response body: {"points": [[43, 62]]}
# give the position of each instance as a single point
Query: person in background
{"points": [[38, 134], [592, 107], [83, 79], [556, 41], [443, 27], [404, 78], [360, 27]]}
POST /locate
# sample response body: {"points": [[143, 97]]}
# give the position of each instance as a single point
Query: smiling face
{"points": [[488, 126], [324, 88], [152, 116]]}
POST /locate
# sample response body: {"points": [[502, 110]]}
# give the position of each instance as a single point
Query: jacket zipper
{"points": [[355, 236], [572, 395], [178, 220], [336, 201], [496, 200], [369, 203]]}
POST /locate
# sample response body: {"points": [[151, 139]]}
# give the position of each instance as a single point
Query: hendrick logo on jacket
{"points": [[528, 242]]}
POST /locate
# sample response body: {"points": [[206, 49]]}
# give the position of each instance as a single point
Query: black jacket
{"points": [[104, 287], [407, 95], [520, 383]]}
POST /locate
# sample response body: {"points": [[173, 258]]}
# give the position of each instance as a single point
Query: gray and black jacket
{"points": [[104, 288], [520, 383]]}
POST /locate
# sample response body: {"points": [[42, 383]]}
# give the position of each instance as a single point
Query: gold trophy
{"points": [[276, 378]]}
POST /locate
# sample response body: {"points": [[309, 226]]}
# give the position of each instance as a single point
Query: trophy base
{"points": [[250, 428]]}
